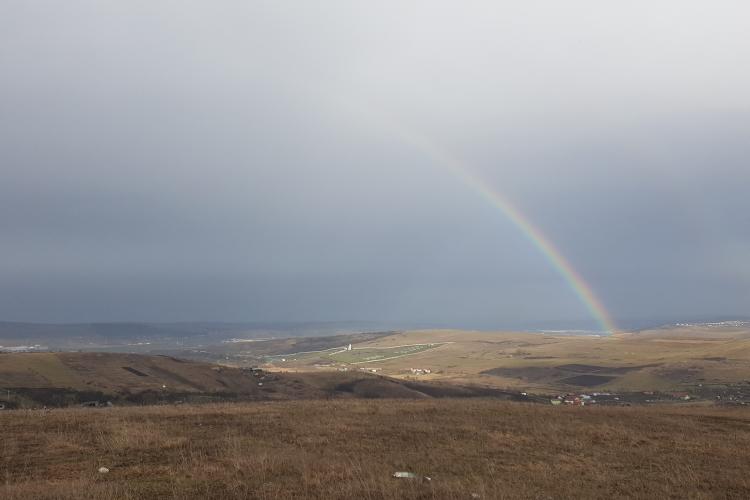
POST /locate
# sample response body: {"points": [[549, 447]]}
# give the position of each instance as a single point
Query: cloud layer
{"points": [[245, 161]]}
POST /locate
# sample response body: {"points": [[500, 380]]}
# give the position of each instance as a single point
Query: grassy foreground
{"points": [[349, 449]]}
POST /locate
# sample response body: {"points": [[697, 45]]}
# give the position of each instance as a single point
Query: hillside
{"points": [[64, 379], [350, 449], [706, 362], [699, 358]]}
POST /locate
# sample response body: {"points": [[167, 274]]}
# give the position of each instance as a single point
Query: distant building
{"points": [[420, 371]]}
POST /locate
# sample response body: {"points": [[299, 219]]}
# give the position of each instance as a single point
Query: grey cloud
{"points": [[243, 160]]}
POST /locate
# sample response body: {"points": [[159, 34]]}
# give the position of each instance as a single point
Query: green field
{"points": [[358, 355], [372, 354]]}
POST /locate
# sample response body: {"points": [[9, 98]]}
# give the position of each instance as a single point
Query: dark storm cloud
{"points": [[240, 161]]}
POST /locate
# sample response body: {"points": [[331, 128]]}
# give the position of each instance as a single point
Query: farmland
{"points": [[694, 357], [358, 355]]}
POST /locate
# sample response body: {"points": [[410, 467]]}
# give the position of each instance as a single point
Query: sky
{"points": [[251, 161]]}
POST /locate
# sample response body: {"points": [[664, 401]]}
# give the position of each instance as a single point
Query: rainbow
{"points": [[574, 280]]}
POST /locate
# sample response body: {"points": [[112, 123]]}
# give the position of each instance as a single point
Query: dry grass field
{"points": [[325, 433], [664, 359], [350, 448]]}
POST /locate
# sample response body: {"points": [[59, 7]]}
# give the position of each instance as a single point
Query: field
{"points": [[699, 358], [709, 363], [349, 449], [707, 360], [343, 356], [451, 406]]}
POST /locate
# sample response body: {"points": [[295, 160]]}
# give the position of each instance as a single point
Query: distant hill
{"points": [[65, 379], [708, 360], [189, 333]]}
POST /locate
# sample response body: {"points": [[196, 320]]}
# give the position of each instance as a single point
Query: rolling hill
{"points": [[675, 358], [65, 379]]}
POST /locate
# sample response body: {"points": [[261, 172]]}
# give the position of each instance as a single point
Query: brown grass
{"points": [[349, 449], [646, 361]]}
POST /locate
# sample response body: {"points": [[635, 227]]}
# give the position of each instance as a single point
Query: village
{"points": [[735, 395]]}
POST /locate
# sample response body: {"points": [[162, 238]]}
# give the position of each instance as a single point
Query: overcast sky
{"points": [[240, 160]]}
